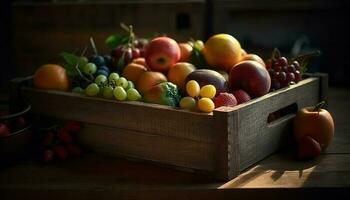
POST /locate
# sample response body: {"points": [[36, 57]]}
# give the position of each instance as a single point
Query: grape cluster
{"points": [[283, 73], [124, 54], [199, 97]]}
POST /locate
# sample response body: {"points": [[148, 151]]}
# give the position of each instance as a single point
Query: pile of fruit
{"points": [[191, 75], [58, 143]]}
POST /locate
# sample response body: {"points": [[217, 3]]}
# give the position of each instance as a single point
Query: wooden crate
{"points": [[224, 142]]}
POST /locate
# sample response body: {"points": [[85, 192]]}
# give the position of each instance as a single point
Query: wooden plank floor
{"points": [[280, 175]]}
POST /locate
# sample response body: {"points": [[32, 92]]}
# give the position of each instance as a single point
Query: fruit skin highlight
{"points": [[165, 93], [51, 77], [222, 51]]}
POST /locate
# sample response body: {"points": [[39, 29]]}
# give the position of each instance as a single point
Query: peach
{"points": [[165, 93], [141, 61], [133, 71], [149, 79], [185, 50], [178, 73], [254, 57]]}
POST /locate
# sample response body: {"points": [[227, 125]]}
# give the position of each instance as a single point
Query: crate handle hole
{"points": [[282, 113]]}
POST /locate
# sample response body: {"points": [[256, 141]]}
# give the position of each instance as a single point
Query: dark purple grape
{"points": [[291, 68], [108, 60], [282, 61], [105, 68], [285, 68], [282, 76], [290, 77], [277, 67], [97, 60], [276, 85], [296, 64], [135, 53], [102, 72], [297, 76], [127, 55], [117, 52]]}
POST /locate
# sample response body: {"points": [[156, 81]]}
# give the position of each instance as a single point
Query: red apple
{"points": [[316, 123], [4, 130], [251, 77], [162, 53]]}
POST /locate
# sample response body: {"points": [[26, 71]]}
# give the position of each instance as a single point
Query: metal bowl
{"points": [[14, 145]]}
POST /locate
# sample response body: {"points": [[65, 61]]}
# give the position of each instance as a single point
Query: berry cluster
{"points": [[58, 143], [283, 73]]}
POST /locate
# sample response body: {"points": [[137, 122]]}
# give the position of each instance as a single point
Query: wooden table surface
{"points": [[278, 176]]}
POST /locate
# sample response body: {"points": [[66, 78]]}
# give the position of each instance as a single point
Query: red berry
{"points": [[72, 126], [241, 96], [4, 130], [225, 99], [308, 148], [74, 150], [60, 151], [48, 155], [64, 136]]}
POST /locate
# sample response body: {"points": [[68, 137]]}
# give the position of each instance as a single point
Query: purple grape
{"points": [[296, 64], [277, 67], [282, 76], [297, 76], [291, 68], [282, 61], [290, 77]]}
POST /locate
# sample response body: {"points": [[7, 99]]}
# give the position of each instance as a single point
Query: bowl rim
{"points": [[14, 115], [19, 132]]}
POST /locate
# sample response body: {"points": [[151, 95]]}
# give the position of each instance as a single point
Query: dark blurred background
{"points": [[35, 32]]}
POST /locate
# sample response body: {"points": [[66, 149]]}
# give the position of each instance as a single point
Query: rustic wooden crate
{"points": [[224, 142]]}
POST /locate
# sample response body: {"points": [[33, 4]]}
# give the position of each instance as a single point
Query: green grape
{"points": [[206, 105], [192, 88], [100, 79], [188, 103], [133, 94], [92, 89], [130, 85], [113, 77], [78, 90], [119, 93], [208, 91], [108, 92], [199, 45], [89, 68], [122, 82]]}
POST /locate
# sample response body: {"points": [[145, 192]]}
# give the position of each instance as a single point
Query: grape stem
{"points": [[319, 106], [78, 63], [92, 42]]}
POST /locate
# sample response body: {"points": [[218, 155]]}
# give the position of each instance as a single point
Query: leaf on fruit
{"points": [[71, 62], [115, 40], [197, 59], [305, 59]]}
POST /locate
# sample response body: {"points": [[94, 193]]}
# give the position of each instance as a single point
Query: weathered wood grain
{"points": [[224, 142], [147, 146]]}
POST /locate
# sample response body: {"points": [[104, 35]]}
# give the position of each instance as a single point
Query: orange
{"points": [[222, 51], [133, 71], [51, 76], [178, 73], [140, 61], [185, 50], [149, 79]]}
